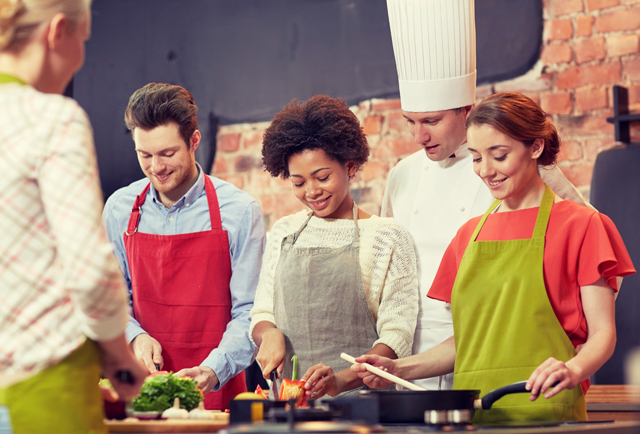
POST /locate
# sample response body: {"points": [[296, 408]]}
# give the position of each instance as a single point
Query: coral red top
{"points": [[581, 245]]}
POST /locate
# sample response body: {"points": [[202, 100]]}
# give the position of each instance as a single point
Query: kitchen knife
{"points": [[272, 390]]}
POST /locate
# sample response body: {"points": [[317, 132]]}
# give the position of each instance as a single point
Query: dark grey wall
{"points": [[615, 192], [243, 60]]}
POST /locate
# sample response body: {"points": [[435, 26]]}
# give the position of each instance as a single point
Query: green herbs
{"points": [[158, 393]]}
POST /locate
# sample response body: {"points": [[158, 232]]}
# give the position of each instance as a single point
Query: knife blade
{"points": [[273, 376]]}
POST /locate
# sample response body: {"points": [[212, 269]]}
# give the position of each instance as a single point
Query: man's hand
{"points": [[206, 378], [148, 351]]}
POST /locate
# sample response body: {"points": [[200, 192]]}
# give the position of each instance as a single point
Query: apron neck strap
{"points": [[8, 78], [543, 213], [304, 225], [542, 220], [295, 236], [355, 221], [212, 200], [482, 220], [214, 207], [136, 212]]}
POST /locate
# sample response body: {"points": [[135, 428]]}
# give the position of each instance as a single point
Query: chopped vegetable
{"points": [[109, 394], [159, 392], [293, 389], [261, 392]]}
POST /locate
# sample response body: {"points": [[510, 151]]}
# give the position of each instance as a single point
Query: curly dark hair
{"points": [[322, 122]]}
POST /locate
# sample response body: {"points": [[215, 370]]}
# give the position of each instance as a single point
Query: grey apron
{"points": [[320, 305]]}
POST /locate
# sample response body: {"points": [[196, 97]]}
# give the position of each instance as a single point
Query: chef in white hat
{"points": [[432, 192]]}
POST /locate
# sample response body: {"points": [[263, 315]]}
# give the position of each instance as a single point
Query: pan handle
{"points": [[487, 401]]}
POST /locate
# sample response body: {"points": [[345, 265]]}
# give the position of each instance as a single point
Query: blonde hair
{"points": [[19, 19]]}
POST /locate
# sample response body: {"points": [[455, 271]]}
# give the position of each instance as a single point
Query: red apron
{"points": [[181, 296]]}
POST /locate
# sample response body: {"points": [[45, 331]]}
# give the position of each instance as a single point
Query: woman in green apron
{"points": [[334, 278], [64, 305], [532, 283]]}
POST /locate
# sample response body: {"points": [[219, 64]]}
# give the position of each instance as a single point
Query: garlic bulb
{"points": [[201, 413], [175, 412]]}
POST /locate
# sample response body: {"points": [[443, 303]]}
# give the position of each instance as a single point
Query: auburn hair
{"points": [[517, 116]]}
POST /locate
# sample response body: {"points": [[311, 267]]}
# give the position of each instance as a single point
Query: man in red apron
{"points": [[190, 247]]}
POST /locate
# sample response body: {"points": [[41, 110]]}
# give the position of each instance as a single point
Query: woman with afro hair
{"points": [[334, 278]]}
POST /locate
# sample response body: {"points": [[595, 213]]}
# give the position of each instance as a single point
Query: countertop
{"points": [[617, 403]]}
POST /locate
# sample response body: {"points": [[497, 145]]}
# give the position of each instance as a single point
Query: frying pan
{"points": [[402, 406]]}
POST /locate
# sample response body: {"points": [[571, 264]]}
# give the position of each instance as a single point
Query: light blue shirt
{"points": [[241, 218]]}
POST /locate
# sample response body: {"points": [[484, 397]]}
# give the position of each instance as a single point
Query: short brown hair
{"points": [[322, 122], [158, 104], [517, 116]]}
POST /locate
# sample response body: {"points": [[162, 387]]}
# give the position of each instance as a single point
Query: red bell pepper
{"points": [[261, 392], [294, 389]]}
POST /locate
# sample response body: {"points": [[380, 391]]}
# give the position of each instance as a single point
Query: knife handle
{"points": [[273, 376], [124, 377]]}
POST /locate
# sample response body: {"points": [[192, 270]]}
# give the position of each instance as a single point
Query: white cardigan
{"points": [[387, 263]]}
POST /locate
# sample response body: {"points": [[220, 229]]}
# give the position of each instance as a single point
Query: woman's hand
{"points": [[551, 372], [598, 304], [370, 379], [115, 357], [272, 352], [319, 381]]}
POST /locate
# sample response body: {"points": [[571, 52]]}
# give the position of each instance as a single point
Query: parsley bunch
{"points": [[158, 393]]}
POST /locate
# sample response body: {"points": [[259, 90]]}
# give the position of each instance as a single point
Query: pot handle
{"points": [[487, 401]]}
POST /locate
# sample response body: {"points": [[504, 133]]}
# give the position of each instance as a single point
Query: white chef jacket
{"points": [[431, 200]]}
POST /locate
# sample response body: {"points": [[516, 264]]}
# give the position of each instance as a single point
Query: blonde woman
{"points": [[64, 306]]}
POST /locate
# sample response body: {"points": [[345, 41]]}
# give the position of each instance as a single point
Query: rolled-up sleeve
{"points": [[116, 211], [246, 242]]}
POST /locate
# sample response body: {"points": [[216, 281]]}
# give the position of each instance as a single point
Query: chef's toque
{"points": [[434, 42]]}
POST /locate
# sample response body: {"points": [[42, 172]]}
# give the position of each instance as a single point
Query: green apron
{"points": [[6, 78], [62, 399], [505, 327]]}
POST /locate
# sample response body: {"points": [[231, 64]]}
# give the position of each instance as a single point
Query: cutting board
{"points": [[166, 426]]}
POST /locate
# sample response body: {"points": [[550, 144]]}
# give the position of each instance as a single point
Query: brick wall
{"points": [[588, 46]]}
